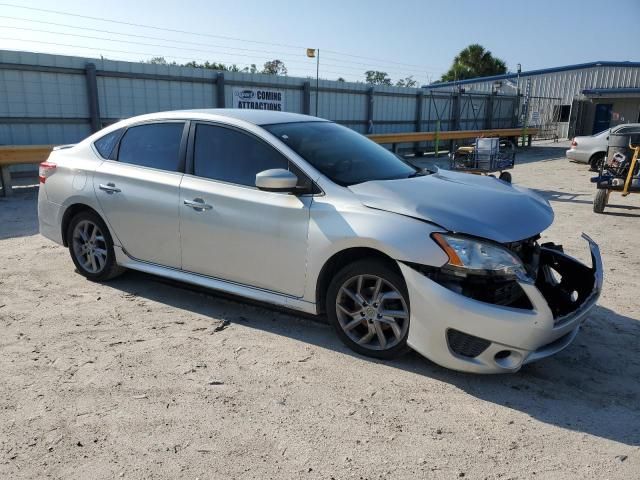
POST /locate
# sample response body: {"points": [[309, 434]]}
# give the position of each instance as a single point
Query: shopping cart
{"points": [[485, 157]]}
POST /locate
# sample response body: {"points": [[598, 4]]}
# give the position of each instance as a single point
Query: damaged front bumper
{"points": [[467, 334]]}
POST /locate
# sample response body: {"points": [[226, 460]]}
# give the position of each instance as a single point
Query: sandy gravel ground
{"points": [[140, 378]]}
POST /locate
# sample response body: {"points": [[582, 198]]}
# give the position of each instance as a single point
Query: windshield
{"points": [[345, 156]]}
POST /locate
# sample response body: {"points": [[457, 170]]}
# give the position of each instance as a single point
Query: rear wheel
{"points": [[600, 201], [368, 305], [596, 161], [91, 247]]}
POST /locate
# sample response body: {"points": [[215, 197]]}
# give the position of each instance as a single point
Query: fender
{"points": [[400, 237]]}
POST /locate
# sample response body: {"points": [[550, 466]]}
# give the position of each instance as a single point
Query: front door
{"points": [[231, 230], [603, 117], [139, 192]]}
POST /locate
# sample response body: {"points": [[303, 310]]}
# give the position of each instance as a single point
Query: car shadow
{"points": [[19, 213], [620, 214], [592, 387], [557, 196], [624, 207], [540, 154]]}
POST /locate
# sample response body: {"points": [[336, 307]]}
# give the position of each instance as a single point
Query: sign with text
{"points": [[535, 117], [256, 98]]}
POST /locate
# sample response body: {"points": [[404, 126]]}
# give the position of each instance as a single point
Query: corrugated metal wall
{"points": [[44, 98], [563, 86]]}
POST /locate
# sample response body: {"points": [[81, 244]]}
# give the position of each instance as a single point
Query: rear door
{"points": [[138, 191], [230, 229]]}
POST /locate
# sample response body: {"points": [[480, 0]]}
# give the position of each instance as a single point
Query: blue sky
{"points": [[401, 37]]}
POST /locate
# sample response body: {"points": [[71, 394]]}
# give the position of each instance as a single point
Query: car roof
{"points": [[622, 125], [257, 117]]}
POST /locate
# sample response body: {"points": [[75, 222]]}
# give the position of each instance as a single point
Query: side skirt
{"points": [[252, 293]]}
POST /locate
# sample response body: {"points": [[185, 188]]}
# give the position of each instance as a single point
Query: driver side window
{"points": [[231, 156]]}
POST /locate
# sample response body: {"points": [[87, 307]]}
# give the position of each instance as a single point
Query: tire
{"points": [[361, 280], [91, 247], [600, 201], [596, 161], [505, 177]]}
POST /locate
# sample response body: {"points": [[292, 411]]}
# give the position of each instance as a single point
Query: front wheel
{"points": [[600, 201], [368, 305], [505, 177], [91, 247]]}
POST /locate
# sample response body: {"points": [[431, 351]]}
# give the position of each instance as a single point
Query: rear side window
{"points": [[105, 144], [155, 145], [232, 156], [627, 130]]}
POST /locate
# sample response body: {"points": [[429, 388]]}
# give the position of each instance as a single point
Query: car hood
{"points": [[476, 205]]}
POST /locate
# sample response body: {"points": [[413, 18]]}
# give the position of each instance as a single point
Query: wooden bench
{"points": [[19, 155]]}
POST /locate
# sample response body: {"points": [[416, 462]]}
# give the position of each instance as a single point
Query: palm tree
{"points": [[474, 61]]}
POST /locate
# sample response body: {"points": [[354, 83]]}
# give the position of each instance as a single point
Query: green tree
{"points": [[375, 77], [208, 65], [158, 61], [274, 67], [472, 62], [406, 82]]}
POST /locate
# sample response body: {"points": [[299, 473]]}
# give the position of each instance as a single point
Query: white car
{"points": [[592, 149], [307, 214]]}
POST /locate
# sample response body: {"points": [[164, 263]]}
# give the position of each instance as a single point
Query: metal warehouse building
{"points": [[572, 100]]}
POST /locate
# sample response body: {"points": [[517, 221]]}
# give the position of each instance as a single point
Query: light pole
{"points": [[317, 80], [311, 53], [518, 69]]}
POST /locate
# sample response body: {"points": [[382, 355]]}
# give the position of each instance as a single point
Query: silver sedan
{"points": [[307, 214], [592, 149]]}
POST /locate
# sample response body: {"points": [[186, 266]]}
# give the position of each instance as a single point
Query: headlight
{"points": [[467, 255]]}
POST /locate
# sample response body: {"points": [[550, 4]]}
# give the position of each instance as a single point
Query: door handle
{"points": [[109, 188], [198, 204]]}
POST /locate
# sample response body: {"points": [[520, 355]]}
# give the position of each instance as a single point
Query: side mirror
{"points": [[276, 180]]}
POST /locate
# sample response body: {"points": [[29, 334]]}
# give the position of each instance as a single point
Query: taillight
{"points": [[574, 143], [45, 171]]}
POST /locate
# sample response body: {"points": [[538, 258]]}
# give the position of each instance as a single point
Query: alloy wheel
{"points": [[372, 312], [89, 246]]}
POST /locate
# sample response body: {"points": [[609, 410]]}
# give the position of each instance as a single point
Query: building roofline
{"points": [[541, 71], [609, 93], [602, 91]]}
